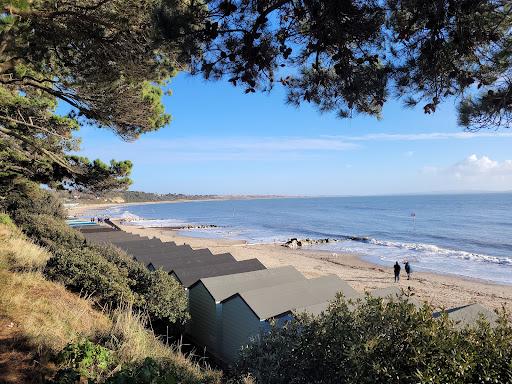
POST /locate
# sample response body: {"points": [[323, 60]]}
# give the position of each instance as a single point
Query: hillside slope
{"points": [[38, 318]]}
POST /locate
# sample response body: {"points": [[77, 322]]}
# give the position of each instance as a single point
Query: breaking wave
{"points": [[433, 250]]}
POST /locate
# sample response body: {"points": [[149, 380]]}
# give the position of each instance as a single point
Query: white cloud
{"points": [[474, 165], [479, 171], [251, 143], [202, 149], [424, 136]]}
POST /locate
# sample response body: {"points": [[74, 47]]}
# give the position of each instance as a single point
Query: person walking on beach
{"points": [[408, 270], [397, 269]]}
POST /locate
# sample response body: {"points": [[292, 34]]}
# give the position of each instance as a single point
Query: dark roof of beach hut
{"points": [[468, 314], [112, 236], [187, 275], [144, 244], [169, 262], [96, 229], [222, 287], [278, 300], [147, 254]]}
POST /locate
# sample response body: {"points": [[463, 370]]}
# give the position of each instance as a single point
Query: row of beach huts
{"points": [[231, 301]]}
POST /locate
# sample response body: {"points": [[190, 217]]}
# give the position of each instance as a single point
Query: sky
{"points": [[222, 141]]}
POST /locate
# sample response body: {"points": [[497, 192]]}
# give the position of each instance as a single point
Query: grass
{"points": [[46, 313], [18, 253], [133, 343]]}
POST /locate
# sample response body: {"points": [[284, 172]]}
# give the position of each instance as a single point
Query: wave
{"points": [[167, 223], [436, 250]]}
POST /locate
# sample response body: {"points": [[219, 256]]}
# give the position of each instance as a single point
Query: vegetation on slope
{"points": [[106, 273], [48, 331], [381, 341]]}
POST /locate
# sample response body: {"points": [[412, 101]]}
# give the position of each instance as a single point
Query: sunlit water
{"points": [[469, 235]]}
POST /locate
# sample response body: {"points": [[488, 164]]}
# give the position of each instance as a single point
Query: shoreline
{"points": [[82, 208], [440, 290]]}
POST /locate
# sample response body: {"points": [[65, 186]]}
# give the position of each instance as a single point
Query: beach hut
{"points": [[188, 275], [114, 236], [169, 262], [245, 314], [468, 314], [206, 295], [96, 229], [136, 248], [157, 256]]}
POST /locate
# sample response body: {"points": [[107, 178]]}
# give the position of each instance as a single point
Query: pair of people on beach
{"points": [[397, 270]]}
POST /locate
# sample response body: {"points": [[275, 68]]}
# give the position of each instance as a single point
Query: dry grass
{"points": [[18, 253], [45, 313], [133, 343]]}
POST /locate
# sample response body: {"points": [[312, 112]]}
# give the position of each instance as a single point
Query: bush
{"points": [[147, 372], [49, 231], [5, 219], [104, 272], [392, 342], [84, 359], [133, 343], [155, 292], [84, 270], [25, 197], [164, 298]]}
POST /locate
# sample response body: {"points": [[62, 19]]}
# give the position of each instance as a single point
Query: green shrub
{"points": [[5, 219], [49, 231], [84, 270], [104, 272], [25, 197], [165, 298], [147, 372], [378, 342], [84, 359], [156, 293]]}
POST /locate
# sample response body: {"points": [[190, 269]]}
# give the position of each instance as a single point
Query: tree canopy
{"points": [[105, 58], [355, 55], [109, 61]]}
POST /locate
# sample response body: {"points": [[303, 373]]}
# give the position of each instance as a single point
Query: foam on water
{"points": [[155, 223]]}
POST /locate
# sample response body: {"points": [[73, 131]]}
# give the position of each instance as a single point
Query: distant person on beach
{"points": [[408, 270], [397, 269]]}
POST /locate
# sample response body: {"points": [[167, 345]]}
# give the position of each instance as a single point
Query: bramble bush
{"points": [[83, 359], [380, 342], [147, 372]]}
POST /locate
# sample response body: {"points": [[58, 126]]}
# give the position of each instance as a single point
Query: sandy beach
{"points": [[442, 291]]}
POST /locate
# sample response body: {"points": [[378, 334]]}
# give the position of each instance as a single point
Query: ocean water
{"points": [[469, 235]]}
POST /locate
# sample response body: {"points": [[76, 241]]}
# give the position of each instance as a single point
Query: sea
{"points": [[463, 234]]}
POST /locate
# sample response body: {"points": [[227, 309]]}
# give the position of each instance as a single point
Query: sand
{"points": [[442, 291]]}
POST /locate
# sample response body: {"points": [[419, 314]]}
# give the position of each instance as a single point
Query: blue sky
{"points": [[222, 141]]}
